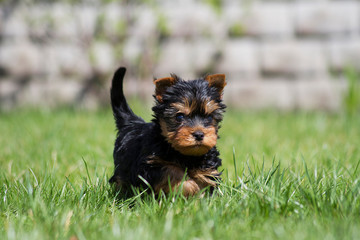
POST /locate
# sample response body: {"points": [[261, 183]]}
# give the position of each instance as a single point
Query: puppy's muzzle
{"points": [[198, 135]]}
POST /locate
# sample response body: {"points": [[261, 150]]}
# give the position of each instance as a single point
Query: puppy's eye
{"points": [[179, 117], [209, 118]]}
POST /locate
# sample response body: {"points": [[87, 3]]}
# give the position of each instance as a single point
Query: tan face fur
{"points": [[184, 141], [198, 118]]}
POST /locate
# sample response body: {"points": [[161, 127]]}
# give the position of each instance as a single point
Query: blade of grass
{"points": [[87, 170]]}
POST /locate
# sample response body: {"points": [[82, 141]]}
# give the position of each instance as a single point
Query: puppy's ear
{"points": [[217, 81], [161, 85]]}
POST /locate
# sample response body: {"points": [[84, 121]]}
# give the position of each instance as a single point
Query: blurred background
{"points": [[276, 54]]}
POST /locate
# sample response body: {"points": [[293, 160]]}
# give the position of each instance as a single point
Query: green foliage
{"points": [[352, 95], [99, 27], [286, 176], [121, 28], [237, 30], [162, 26], [216, 5]]}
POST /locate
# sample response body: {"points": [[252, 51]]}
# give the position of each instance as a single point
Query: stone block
{"points": [[175, 57], [40, 23], [306, 94], [43, 92], [188, 20], [268, 19], [64, 20], [65, 59], [15, 26], [260, 94], [344, 53], [112, 20], [232, 14], [327, 17], [20, 58], [7, 87], [322, 94], [102, 57], [145, 25], [203, 55], [132, 50], [8, 90], [240, 57], [144, 88], [86, 19], [293, 58]]}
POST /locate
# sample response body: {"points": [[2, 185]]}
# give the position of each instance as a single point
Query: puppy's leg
{"points": [[175, 175], [190, 188], [205, 178]]}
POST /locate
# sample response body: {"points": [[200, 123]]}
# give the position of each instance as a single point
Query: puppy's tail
{"points": [[122, 113]]}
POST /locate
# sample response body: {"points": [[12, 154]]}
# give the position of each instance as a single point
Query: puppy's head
{"points": [[189, 112]]}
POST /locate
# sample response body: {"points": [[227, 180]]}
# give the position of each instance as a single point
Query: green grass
{"points": [[296, 177]]}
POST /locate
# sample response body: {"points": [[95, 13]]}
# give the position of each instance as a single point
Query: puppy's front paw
{"points": [[190, 188]]}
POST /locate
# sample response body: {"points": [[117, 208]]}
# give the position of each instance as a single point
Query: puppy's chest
{"points": [[183, 162], [177, 171]]}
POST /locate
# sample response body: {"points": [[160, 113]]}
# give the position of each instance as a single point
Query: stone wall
{"points": [[277, 54]]}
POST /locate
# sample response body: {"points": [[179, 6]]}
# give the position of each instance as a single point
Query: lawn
{"points": [[285, 176]]}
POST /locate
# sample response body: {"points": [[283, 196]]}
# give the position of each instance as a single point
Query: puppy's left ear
{"points": [[217, 81], [161, 85]]}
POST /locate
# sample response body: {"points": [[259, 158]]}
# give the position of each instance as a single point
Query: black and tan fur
{"points": [[177, 149]]}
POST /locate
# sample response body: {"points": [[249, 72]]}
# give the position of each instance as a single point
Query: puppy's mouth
{"points": [[195, 150]]}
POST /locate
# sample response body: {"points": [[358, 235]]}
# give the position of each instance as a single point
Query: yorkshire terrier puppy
{"points": [[176, 151]]}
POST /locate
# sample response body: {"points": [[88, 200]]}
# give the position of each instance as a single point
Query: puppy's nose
{"points": [[198, 135]]}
